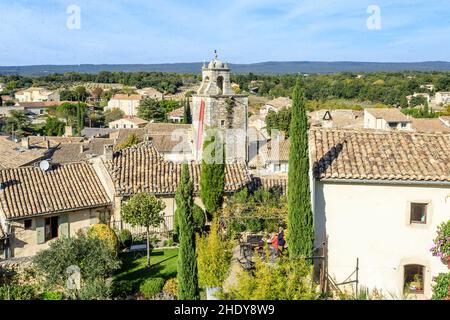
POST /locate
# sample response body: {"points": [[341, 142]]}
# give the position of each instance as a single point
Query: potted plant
{"points": [[441, 247]]}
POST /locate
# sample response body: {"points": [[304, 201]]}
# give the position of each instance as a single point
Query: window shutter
{"points": [[40, 230], [64, 225]]}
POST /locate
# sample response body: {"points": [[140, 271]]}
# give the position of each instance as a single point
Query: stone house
{"points": [[378, 196], [38, 206]]}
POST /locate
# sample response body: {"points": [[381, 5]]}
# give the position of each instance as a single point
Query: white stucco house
{"points": [[386, 119], [127, 103], [275, 105], [442, 97], [35, 94], [378, 196]]}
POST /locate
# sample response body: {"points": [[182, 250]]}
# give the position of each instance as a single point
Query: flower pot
{"points": [[210, 293]]}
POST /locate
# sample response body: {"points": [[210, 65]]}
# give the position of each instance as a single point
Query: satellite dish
{"points": [[44, 165]]}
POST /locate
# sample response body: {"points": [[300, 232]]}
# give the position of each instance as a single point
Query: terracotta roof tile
{"points": [[30, 191], [380, 155], [142, 169]]}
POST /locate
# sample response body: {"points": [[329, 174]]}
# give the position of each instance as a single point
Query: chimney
{"points": [[26, 143], [108, 152]]}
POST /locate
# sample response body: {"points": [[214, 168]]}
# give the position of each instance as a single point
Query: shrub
{"points": [[168, 243], [91, 255], [171, 287], [121, 289], [440, 288], [17, 292], [125, 238], [105, 234], [214, 258], [95, 290], [151, 287], [52, 295], [284, 280]]}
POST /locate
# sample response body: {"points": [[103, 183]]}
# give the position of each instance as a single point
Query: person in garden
{"points": [[281, 241]]}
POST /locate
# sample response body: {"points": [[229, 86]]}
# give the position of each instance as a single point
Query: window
{"points": [[51, 228], [27, 224], [414, 278], [222, 123], [277, 167], [418, 213]]}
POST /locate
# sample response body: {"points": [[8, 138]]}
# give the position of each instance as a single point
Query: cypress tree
{"points": [[300, 217], [187, 273], [212, 177], [187, 119]]}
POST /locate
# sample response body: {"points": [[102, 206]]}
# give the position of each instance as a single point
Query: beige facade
{"points": [[26, 240], [386, 119], [442, 97], [372, 222], [128, 104]]}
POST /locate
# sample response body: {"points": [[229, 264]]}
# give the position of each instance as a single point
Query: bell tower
{"points": [[216, 106]]}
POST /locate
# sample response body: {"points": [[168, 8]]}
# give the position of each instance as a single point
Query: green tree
{"points": [[113, 115], [187, 118], [300, 218], [144, 210], [187, 263], [17, 122], [150, 109], [54, 126], [130, 141], [212, 177]]}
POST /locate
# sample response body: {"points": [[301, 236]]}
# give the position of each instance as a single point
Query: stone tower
{"points": [[217, 106]]}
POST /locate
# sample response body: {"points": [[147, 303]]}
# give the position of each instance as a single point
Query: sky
{"points": [[35, 32]]}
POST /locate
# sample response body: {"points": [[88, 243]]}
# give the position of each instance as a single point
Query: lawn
{"points": [[134, 270]]}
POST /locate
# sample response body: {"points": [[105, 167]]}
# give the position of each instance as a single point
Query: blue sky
{"points": [[243, 31]]}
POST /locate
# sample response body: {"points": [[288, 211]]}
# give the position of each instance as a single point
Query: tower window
{"points": [[220, 83], [222, 123]]}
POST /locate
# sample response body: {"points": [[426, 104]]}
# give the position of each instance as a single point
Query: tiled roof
{"points": [[340, 118], [44, 104], [179, 112], [388, 114], [270, 183], [126, 97], [273, 150], [166, 127], [280, 102], [380, 155], [74, 152], [142, 169], [30, 191], [13, 155], [429, 125], [134, 120]]}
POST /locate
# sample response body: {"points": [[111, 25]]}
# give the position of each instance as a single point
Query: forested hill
{"points": [[261, 68]]}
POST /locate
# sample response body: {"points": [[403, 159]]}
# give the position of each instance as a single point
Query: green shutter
{"points": [[64, 225], [40, 230]]}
